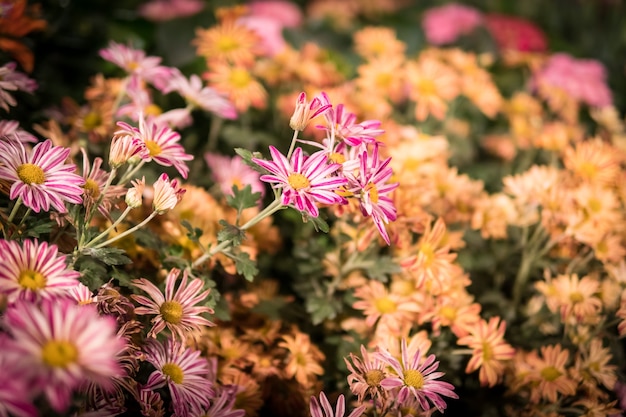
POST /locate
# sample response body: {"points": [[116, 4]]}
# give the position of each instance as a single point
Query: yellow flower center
{"points": [[153, 147], [227, 44], [550, 373], [413, 378], [588, 169], [385, 305], [31, 174], [428, 252], [384, 79], [374, 377], [448, 313], [240, 78], [59, 354], [152, 110], [32, 280], [487, 352], [373, 192], [92, 188], [595, 205], [298, 181], [172, 311], [426, 87], [92, 120], [576, 297], [174, 372], [337, 158], [132, 66]]}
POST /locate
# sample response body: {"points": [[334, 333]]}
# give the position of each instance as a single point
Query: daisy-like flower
{"points": [[227, 42], [12, 80], [137, 64], [166, 194], [41, 178], [303, 181], [201, 96], [432, 85], [33, 270], [63, 346], [185, 373], [161, 144], [223, 404], [489, 350], [378, 42], [366, 374], [15, 392], [125, 147], [577, 296], [228, 172], [239, 84], [322, 408], [304, 358], [594, 366], [82, 295], [371, 188], [134, 195], [384, 309], [548, 375], [175, 310], [11, 129], [416, 378]]}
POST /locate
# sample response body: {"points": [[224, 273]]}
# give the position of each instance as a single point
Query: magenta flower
{"points": [[201, 96], [303, 181], [228, 172], [223, 404], [322, 408], [184, 371], [161, 144], [12, 130], [305, 111], [12, 80], [34, 270], [415, 379], [137, 64], [15, 389], [63, 346], [176, 310], [41, 178], [447, 23], [371, 187]]}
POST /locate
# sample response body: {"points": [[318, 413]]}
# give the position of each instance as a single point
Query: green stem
{"points": [[17, 205], [128, 232], [216, 126], [108, 230], [293, 143], [24, 217], [129, 174]]}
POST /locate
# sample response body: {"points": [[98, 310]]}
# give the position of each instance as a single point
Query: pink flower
{"points": [[515, 33], [95, 180], [583, 79], [15, 390], [164, 10], [200, 96], [223, 404], [322, 408], [305, 111], [270, 32], [303, 181], [137, 64], [33, 270], [176, 310], [62, 346], [166, 194], [228, 172], [41, 178], [415, 379], [286, 13], [11, 129], [11, 80], [126, 147], [184, 371], [445, 24]]}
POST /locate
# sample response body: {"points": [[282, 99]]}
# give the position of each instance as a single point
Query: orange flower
{"points": [[378, 42], [383, 77], [239, 84], [432, 84], [16, 21], [248, 396], [489, 350], [303, 358], [593, 161], [593, 366], [548, 376], [227, 42], [577, 297]]}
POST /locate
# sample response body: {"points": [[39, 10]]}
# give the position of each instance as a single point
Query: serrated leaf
{"points": [[193, 233], [93, 273], [110, 256], [382, 268], [38, 228], [243, 198], [245, 266], [321, 309], [247, 156], [230, 232], [319, 223]]}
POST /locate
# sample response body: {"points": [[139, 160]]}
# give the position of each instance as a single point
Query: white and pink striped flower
{"points": [[12, 130], [16, 393], [178, 311], [34, 270], [41, 178], [166, 194], [322, 408], [61, 346], [304, 181], [228, 172], [12, 80], [184, 371]]}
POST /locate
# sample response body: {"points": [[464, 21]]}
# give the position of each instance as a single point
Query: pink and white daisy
{"points": [[200, 96], [371, 187], [366, 374], [82, 295], [178, 311], [15, 390], [63, 346], [303, 181], [12, 80], [33, 270], [322, 408], [126, 147], [223, 404], [416, 379], [166, 194], [137, 64], [184, 371], [11, 129], [228, 172], [161, 144], [41, 178]]}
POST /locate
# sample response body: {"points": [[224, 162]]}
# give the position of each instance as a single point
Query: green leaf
{"points": [[382, 267], [247, 156], [243, 198], [245, 266], [38, 228], [193, 233], [110, 256], [321, 308], [319, 223], [230, 232], [93, 273]]}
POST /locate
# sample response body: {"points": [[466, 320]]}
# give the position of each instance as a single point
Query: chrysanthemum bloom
{"points": [[166, 194], [378, 42], [95, 180], [185, 373], [33, 270], [16, 391], [228, 42], [228, 172], [239, 84], [134, 195], [322, 408], [447, 23], [515, 33], [201, 96], [222, 405], [11, 129], [162, 144], [82, 295], [64, 346], [248, 394], [416, 379], [137, 64], [371, 188], [383, 77], [489, 350], [125, 147], [176, 310], [432, 84], [342, 124], [366, 374], [12, 80], [577, 297], [41, 178], [593, 161], [304, 358], [592, 364], [303, 181], [164, 10], [548, 376]]}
